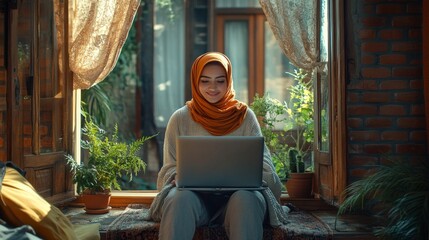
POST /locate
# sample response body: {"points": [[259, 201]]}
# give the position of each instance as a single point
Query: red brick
{"points": [[43, 130], [376, 97], [414, 8], [393, 84], [411, 122], [354, 148], [394, 136], [416, 84], [374, 47], [417, 109], [393, 59], [361, 172], [365, 135], [411, 148], [368, 10], [415, 33], [415, 61], [406, 47], [368, 59], [392, 110], [3, 156], [367, 34], [409, 97], [27, 142], [391, 8], [361, 110], [354, 122], [408, 72], [362, 161], [378, 122], [376, 72], [365, 85], [374, 21], [353, 97], [27, 129], [377, 148], [391, 34], [407, 21], [418, 136]]}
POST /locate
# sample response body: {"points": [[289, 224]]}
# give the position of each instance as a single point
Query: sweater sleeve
{"points": [[269, 173], [169, 151]]}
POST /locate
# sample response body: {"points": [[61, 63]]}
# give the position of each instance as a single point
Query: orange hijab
{"points": [[224, 116]]}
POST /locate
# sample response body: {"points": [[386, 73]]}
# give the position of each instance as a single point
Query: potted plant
{"points": [[288, 129], [108, 159]]}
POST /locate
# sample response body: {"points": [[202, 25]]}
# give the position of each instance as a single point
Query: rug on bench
{"points": [[130, 224]]}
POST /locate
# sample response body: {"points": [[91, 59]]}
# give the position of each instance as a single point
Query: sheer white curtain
{"points": [[169, 62], [294, 25], [237, 3], [98, 30], [236, 48]]}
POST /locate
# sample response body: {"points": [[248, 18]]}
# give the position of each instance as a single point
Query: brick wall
{"points": [[385, 101]]}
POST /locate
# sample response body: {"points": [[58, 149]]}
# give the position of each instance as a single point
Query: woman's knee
{"points": [[182, 197], [244, 198]]}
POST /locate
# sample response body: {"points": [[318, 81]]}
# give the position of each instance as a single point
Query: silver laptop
{"points": [[219, 163]]}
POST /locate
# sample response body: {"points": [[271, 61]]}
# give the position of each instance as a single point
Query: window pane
{"points": [[276, 67], [237, 4], [169, 62], [324, 87], [236, 48]]}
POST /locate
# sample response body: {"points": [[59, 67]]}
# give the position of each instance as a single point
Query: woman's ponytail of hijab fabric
{"points": [[224, 116]]}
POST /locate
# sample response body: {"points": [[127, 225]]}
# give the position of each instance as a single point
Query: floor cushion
{"points": [[20, 204]]}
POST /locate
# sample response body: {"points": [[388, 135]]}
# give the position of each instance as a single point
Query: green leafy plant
{"points": [[293, 142], [108, 160], [398, 193]]}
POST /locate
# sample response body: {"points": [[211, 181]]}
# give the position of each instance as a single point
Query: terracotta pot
{"points": [[300, 185], [96, 203]]}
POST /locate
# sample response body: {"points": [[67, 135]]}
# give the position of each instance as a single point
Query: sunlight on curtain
{"points": [[237, 4], [169, 62], [98, 31], [276, 66], [294, 25], [236, 48]]}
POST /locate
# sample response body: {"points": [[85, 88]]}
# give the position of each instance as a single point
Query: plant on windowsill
{"points": [[291, 145], [108, 160]]}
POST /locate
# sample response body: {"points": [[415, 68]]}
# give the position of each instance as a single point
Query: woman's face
{"points": [[212, 83]]}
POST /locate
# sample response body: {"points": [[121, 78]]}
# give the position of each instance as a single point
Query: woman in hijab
{"points": [[213, 110]]}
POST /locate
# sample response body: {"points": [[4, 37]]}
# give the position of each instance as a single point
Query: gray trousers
{"points": [[242, 214]]}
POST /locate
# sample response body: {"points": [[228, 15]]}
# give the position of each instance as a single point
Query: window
{"points": [[230, 22]]}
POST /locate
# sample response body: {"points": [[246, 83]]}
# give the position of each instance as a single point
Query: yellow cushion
{"points": [[23, 205]]}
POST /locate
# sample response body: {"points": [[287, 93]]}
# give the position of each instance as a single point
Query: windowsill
{"points": [[123, 198]]}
